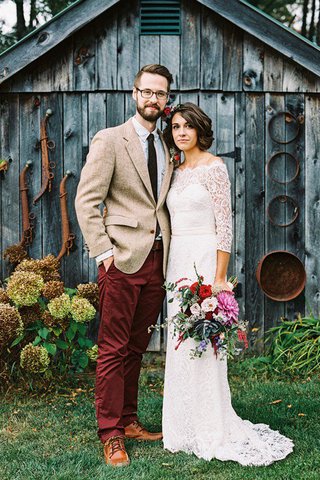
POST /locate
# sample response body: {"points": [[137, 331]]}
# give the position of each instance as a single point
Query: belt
{"points": [[157, 245]]}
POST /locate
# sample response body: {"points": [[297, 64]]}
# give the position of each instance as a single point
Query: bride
{"points": [[197, 413]]}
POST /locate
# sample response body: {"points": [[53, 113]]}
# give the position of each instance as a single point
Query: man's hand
{"points": [[107, 262]]}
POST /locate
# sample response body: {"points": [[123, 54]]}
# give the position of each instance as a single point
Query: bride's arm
{"points": [[222, 267], [218, 185]]}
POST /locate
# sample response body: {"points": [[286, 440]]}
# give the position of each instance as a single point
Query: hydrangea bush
{"points": [[43, 324]]}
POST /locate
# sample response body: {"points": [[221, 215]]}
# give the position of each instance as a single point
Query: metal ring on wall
{"points": [[287, 115], [283, 199], [273, 157]]}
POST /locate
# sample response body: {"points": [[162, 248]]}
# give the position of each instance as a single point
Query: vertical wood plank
{"points": [[232, 58], [190, 40], [211, 51], [42, 75], [208, 103], [293, 77], [72, 145], [115, 109], [255, 207], [85, 148], [295, 235], [312, 214], [170, 56], [240, 202], [253, 52], [128, 45], [225, 144], [84, 60], [188, 97], [129, 107], [273, 71], [62, 66], [275, 236], [51, 215], [149, 49], [107, 54], [9, 148], [30, 150], [97, 121]]}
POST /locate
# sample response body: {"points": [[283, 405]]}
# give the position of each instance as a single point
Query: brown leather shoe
{"points": [[115, 452], [138, 432]]}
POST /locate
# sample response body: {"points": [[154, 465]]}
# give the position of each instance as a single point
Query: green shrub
{"points": [[295, 346]]}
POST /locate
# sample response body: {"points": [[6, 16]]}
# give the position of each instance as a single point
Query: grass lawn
{"points": [[53, 436]]}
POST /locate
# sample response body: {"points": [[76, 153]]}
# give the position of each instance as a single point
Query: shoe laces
{"points": [[116, 444], [137, 424]]}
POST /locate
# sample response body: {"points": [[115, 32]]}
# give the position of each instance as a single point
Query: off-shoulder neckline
{"points": [[214, 163]]}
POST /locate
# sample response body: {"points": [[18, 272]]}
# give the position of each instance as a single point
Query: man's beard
{"points": [[149, 117]]}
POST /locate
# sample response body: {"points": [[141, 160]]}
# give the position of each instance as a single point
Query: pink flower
{"points": [[228, 305]]}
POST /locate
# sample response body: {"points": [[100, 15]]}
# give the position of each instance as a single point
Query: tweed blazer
{"points": [[116, 174]]}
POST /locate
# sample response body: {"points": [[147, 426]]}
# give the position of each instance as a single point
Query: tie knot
{"points": [[150, 137]]}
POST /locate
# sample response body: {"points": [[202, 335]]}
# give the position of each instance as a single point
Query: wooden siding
{"points": [[211, 54], [240, 120], [234, 77]]}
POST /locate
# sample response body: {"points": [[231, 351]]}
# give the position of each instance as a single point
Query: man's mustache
{"points": [[153, 105]]}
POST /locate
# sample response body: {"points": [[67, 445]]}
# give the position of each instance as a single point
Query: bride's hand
{"points": [[222, 285]]}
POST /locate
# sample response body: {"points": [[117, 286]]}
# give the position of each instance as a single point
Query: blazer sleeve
{"points": [[92, 190]]}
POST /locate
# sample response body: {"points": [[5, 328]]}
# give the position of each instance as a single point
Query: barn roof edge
{"points": [[257, 23]]}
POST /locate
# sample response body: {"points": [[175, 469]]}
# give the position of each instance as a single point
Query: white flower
{"points": [[209, 304], [195, 309], [177, 296], [230, 285]]}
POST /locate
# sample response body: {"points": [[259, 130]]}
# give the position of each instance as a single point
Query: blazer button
{"points": [[151, 231]]}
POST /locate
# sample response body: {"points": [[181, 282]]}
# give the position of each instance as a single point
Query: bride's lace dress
{"points": [[197, 413]]}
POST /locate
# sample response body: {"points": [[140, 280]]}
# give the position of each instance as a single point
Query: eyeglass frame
{"points": [[153, 93]]}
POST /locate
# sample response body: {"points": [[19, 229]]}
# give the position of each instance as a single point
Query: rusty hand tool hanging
{"points": [[27, 217], [67, 237], [46, 166]]}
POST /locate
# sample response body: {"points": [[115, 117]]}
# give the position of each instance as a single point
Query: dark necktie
{"points": [[152, 166]]}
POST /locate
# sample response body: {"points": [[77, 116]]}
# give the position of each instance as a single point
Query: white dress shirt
{"points": [[143, 134]]}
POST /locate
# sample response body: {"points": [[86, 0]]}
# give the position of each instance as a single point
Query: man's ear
{"points": [[134, 94]]}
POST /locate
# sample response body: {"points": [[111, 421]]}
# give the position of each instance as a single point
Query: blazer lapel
{"points": [[167, 174], [136, 154]]}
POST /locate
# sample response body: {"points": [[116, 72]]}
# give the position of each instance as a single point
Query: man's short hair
{"points": [[156, 69]]}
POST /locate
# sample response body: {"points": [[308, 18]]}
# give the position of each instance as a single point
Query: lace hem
{"points": [[263, 446]]}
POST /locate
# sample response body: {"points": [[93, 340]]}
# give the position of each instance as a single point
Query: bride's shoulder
{"points": [[212, 160]]}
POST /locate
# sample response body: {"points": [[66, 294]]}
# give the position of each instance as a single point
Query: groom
{"points": [[128, 170]]}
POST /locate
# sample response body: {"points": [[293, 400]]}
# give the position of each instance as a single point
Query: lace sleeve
{"points": [[218, 185]]}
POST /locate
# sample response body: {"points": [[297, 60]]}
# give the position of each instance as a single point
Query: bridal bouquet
{"points": [[208, 315]]}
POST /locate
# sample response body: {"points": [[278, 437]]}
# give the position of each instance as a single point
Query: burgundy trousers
{"points": [[129, 304]]}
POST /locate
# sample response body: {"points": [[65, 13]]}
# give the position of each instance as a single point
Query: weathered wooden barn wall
{"points": [[239, 81]]}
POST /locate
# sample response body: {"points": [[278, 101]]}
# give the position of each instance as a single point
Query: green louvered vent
{"points": [[160, 18]]}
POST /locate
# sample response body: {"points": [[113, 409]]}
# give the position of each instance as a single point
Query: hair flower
{"points": [[168, 112]]}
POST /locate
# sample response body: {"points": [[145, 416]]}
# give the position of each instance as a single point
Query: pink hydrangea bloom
{"points": [[228, 305]]}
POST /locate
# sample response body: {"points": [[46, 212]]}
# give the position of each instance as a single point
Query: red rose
{"points": [[194, 287], [167, 111], [205, 291]]}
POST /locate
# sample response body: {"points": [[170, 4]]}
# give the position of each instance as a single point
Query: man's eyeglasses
{"points": [[147, 93]]}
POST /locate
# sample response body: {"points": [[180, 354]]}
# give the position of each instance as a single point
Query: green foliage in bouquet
{"points": [[295, 346], [43, 324]]}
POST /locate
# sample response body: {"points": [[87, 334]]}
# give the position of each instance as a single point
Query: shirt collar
{"points": [[142, 132]]}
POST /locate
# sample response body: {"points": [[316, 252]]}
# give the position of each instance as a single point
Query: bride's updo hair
{"points": [[195, 117]]}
